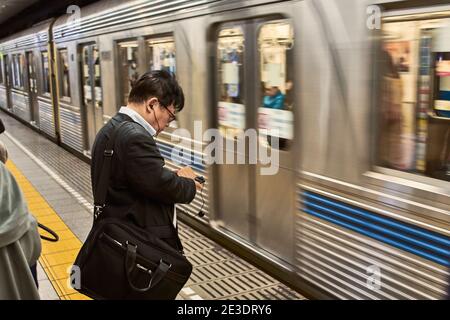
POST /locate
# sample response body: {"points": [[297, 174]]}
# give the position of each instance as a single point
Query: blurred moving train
{"points": [[359, 208]]}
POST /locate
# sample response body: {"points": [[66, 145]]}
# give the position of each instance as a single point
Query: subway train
{"points": [[359, 206]]}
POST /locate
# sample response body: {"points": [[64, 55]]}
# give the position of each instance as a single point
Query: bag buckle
{"points": [[131, 246], [108, 153], [98, 209], [169, 265]]}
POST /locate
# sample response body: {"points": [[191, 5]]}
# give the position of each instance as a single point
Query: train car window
{"points": [[45, 73], [275, 43], [414, 107], [64, 73], [129, 67], [161, 54], [230, 61]]}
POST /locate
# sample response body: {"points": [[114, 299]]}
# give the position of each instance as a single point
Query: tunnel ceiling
{"points": [[17, 15]]}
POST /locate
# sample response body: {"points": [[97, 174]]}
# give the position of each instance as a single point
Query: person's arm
{"points": [[146, 173]]}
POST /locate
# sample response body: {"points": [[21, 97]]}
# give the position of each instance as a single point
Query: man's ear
{"points": [[152, 102]]}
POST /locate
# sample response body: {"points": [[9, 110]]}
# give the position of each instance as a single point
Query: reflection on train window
{"points": [[230, 56], [414, 111], [275, 42], [161, 54], [45, 73], [129, 68], [64, 75]]}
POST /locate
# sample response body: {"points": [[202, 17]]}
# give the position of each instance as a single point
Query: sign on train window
{"points": [[45, 73], [230, 56], [161, 54], [275, 116], [64, 73], [128, 68], [414, 106]]}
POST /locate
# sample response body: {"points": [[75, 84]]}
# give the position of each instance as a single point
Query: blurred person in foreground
{"points": [[20, 243]]}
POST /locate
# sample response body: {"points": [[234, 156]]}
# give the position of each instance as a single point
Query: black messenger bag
{"points": [[120, 260]]}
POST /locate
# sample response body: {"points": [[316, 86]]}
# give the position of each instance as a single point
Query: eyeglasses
{"points": [[172, 116]]}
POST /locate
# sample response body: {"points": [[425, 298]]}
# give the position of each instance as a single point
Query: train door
{"points": [[32, 88], [256, 184], [91, 92], [7, 66]]}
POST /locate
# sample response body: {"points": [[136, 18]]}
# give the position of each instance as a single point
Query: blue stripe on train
{"points": [[421, 242], [192, 159], [444, 95]]}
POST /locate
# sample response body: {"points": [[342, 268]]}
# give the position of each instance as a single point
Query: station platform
{"points": [[57, 188]]}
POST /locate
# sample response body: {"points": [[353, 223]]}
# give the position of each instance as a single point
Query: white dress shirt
{"points": [[139, 119]]}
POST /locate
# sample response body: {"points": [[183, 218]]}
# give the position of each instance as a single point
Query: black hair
{"points": [[160, 84]]}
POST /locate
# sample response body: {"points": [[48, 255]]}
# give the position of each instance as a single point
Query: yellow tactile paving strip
{"points": [[56, 257]]}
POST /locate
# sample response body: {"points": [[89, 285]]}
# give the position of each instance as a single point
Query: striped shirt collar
{"points": [[139, 119]]}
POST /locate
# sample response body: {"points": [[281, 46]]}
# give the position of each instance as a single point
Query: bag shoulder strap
{"points": [[105, 174]]}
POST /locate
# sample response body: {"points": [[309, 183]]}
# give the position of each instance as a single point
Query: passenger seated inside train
{"points": [[274, 98]]}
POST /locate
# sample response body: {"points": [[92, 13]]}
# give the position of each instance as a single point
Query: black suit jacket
{"points": [[140, 188]]}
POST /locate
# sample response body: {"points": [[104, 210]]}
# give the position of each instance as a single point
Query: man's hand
{"points": [[187, 172]]}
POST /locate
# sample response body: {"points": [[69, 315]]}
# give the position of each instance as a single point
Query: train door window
{"points": [[31, 72], [64, 74], [45, 73], [414, 106], [161, 54], [22, 68], [1, 70], [17, 67], [91, 75], [275, 44], [13, 71], [231, 106], [97, 77], [129, 68], [86, 79]]}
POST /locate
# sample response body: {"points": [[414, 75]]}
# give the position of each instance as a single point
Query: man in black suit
{"points": [[141, 190]]}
